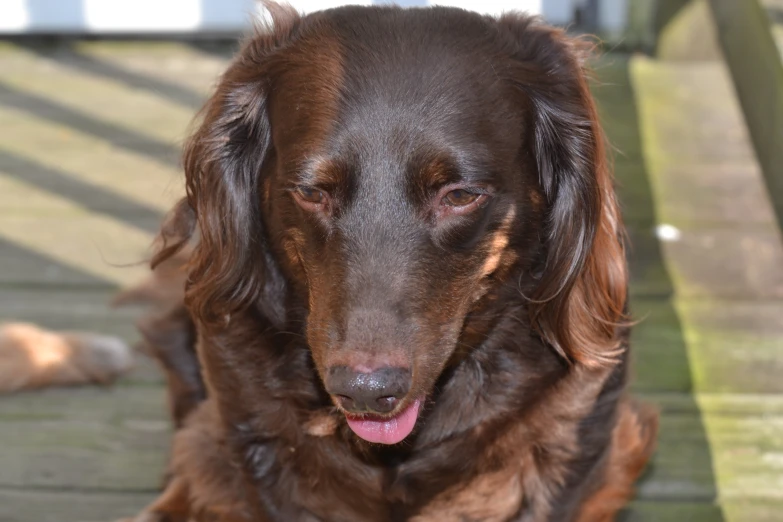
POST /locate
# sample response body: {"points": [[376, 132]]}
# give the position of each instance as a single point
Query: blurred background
{"points": [[95, 100]]}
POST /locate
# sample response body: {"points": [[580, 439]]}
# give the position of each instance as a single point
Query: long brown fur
{"points": [[320, 236]]}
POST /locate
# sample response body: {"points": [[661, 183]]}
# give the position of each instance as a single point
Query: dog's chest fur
{"points": [[516, 476]]}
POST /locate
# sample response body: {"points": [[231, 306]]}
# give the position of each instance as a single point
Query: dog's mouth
{"points": [[385, 430]]}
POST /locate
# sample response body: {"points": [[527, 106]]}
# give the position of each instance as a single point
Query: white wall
{"points": [[151, 16], [187, 16], [613, 14]]}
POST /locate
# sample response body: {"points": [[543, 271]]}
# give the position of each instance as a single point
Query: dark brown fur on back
{"points": [[326, 182]]}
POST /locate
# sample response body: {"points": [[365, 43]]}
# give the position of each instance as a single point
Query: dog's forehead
{"points": [[384, 85], [427, 64]]}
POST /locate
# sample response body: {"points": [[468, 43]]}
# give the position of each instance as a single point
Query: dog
{"points": [[403, 287]]}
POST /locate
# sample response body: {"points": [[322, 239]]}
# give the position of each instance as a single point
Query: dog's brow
{"points": [[317, 170], [438, 171], [444, 169]]}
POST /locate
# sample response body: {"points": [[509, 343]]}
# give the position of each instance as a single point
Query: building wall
{"points": [[210, 16]]}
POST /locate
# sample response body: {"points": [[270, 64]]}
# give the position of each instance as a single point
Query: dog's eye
{"points": [[310, 195], [460, 198]]}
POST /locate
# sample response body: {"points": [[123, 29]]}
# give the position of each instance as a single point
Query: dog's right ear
{"points": [[579, 304], [224, 160]]}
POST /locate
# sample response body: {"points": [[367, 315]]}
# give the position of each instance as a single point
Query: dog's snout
{"points": [[376, 392]]}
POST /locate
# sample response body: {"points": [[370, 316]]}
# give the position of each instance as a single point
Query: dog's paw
{"points": [[101, 357], [33, 357]]}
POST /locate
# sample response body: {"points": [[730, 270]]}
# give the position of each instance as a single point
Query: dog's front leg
{"points": [[633, 443], [31, 357], [171, 506]]}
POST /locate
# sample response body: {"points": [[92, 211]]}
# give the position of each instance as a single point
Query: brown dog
{"points": [[407, 288]]}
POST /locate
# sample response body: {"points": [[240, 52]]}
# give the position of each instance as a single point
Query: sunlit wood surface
{"points": [[89, 140]]}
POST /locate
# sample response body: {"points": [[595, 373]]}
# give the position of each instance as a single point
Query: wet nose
{"points": [[376, 392]]}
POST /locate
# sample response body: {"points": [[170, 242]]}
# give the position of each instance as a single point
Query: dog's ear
{"points": [[224, 160], [580, 300]]}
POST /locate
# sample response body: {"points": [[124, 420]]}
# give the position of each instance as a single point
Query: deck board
{"points": [[86, 176], [726, 270]]}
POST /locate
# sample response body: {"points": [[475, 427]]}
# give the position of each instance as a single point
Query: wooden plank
{"points": [[726, 269], [747, 454], [109, 404], [722, 404], [141, 111], [634, 191], [101, 246], [673, 96], [727, 263], [69, 309], [699, 173], [645, 511], [62, 151], [52, 303], [726, 193], [69, 506], [690, 35], [619, 117], [27, 187], [731, 257], [79, 309], [659, 354], [109, 323], [734, 346], [752, 511], [125, 455], [118, 439], [743, 454], [649, 274], [708, 346], [112, 405], [177, 71], [681, 468], [96, 442], [40, 269]]}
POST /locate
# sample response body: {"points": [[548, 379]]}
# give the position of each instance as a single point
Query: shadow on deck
{"points": [[88, 164]]}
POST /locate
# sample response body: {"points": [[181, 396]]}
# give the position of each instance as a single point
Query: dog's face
{"points": [[397, 192], [399, 166]]}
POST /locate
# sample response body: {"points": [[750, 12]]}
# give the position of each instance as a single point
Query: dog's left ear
{"points": [[225, 160], [580, 300]]}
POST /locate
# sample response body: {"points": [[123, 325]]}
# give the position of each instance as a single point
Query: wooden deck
{"points": [[89, 136]]}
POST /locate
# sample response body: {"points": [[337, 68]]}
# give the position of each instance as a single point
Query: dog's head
{"points": [[394, 168]]}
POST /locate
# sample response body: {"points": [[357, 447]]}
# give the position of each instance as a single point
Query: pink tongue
{"points": [[386, 431]]}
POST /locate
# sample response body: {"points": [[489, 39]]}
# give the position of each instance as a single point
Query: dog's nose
{"points": [[375, 392]]}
